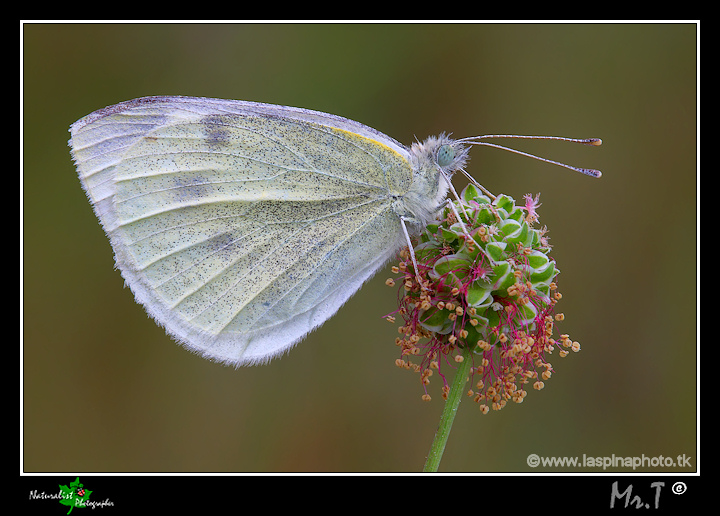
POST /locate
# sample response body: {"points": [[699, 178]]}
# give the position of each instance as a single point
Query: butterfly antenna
{"points": [[475, 140]]}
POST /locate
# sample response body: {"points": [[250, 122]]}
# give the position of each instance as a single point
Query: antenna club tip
{"points": [[594, 141], [588, 171]]}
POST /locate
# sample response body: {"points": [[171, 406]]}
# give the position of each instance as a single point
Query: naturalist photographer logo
{"points": [[73, 495]]}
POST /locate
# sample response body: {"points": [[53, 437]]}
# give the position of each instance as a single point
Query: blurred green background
{"points": [[105, 390]]}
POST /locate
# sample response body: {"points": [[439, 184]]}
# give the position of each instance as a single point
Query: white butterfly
{"points": [[240, 226]]}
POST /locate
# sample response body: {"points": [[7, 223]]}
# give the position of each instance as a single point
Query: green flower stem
{"points": [[448, 416]]}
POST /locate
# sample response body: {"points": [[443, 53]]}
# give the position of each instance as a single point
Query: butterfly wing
{"points": [[240, 226]]}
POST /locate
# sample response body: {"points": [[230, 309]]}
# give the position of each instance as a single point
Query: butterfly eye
{"points": [[445, 155]]}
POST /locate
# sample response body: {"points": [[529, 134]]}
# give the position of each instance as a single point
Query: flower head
{"points": [[483, 281]]}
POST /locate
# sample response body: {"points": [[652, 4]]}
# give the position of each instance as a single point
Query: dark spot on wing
{"points": [[188, 189], [216, 130], [220, 241]]}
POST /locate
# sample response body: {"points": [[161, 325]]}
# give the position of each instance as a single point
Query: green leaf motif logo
{"points": [[74, 495]]}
